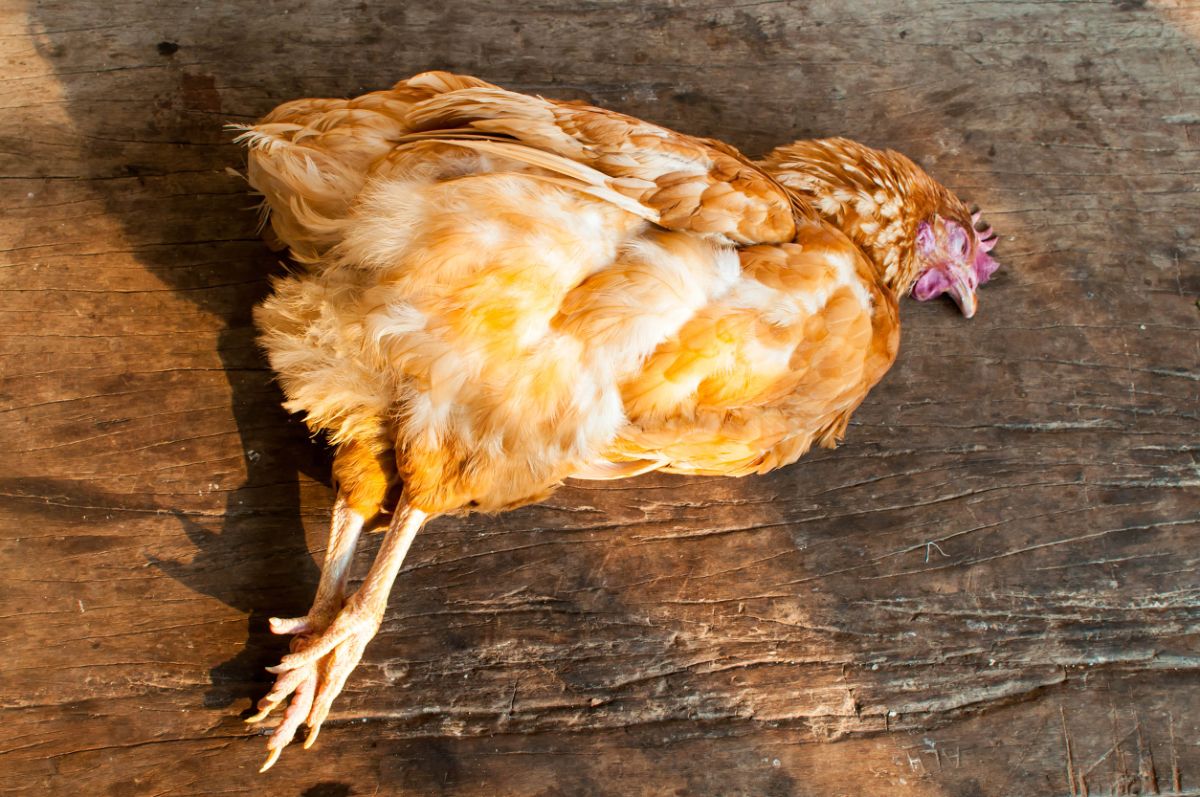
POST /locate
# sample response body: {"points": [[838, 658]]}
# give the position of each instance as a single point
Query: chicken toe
{"points": [[296, 713]]}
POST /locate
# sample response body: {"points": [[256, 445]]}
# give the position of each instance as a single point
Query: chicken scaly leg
{"points": [[344, 531], [345, 528], [315, 672]]}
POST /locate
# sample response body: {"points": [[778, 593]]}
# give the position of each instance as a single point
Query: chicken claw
{"points": [[325, 653], [336, 669], [301, 684], [295, 680], [313, 675]]}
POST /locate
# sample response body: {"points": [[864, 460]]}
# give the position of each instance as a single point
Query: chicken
{"points": [[499, 292]]}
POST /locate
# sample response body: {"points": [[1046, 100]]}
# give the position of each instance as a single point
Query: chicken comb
{"points": [[985, 241]]}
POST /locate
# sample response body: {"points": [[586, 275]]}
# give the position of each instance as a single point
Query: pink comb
{"points": [[985, 241]]}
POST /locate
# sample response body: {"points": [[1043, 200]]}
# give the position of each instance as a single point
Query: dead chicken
{"points": [[500, 292]]}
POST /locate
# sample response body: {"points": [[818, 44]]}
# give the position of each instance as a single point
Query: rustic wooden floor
{"points": [[991, 589]]}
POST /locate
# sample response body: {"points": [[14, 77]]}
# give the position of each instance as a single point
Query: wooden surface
{"points": [[991, 589]]}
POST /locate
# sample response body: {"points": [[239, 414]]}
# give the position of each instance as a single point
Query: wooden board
{"points": [[991, 589]]}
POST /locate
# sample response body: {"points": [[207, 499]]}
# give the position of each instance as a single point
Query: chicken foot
{"points": [[324, 656]]}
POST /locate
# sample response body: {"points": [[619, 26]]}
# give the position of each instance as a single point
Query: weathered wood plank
{"points": [[991, 589]]}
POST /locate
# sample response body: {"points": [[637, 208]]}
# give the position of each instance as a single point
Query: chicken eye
{"points": [[958, 240]]}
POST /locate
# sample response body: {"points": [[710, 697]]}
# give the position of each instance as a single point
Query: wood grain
{"points": [[991, 589]]}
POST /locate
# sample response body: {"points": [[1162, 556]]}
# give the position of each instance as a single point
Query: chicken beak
{"points": [[962, 291]]}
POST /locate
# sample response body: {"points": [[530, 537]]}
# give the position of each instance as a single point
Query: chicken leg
{"points": [[316, 670], [345, 528]]}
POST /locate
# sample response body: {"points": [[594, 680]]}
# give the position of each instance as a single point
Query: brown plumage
{"points": [[501, 292]]}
